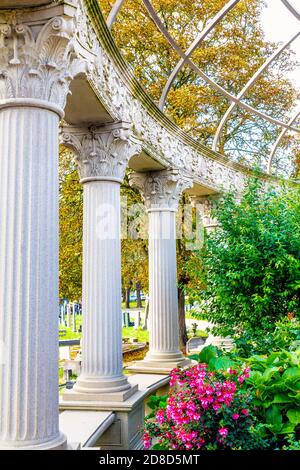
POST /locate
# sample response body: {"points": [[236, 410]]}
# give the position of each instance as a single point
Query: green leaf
{"points": [[282, 398], [156, 403], [269, 373], [287, 428], [292, 373], [194, 357], [158, 447], [221, 363], [294, 416], [255, 378], [273, 415], [208, 353]]}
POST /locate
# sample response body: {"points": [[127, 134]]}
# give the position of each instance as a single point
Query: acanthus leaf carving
{"points": [[161, 189], [102, 152], [36, 63]]}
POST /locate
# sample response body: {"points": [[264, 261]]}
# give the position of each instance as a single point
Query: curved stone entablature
{"points": [[117, 87], [113, 80]]}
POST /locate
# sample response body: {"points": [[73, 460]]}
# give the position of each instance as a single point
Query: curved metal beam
{"points": [[208, 80], [200, 38], [291, 8], [114, 13], [278, 141], [248, 85]]}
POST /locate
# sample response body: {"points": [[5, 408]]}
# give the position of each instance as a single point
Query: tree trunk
{"points": [[145, 327], [183, 337], [138, 295], [127, 301]]}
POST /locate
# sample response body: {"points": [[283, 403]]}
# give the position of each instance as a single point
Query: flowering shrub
{"points": [[204, 410]]}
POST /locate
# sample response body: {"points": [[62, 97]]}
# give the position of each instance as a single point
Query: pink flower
{"points": [[147, 441], [223, 432], [245, 412], [235, 416], [160, 416], [241, 379]]}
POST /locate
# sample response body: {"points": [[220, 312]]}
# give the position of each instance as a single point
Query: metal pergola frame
{"points": [[236, 101]]}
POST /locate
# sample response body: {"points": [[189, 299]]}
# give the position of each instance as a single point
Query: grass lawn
{"points": [[141, 335], [129, 332], [132, 304]]}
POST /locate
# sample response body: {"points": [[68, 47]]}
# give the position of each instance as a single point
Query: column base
{"points": [[159, 363], [95, 389], [59, 443]]}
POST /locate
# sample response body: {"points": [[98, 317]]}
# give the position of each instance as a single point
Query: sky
{"points": [[280, 24]]}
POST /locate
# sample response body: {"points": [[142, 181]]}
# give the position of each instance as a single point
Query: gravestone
{"points": [[195, 344]]}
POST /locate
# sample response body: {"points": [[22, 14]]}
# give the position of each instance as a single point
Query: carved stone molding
{"points": [[101, 152], [115, 91], [37, 57], [161, 189]]}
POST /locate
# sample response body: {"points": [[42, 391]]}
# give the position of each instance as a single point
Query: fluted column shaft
{"points": [[102, 156], [163, 307], [102, 322], [29, 278], [161, 191]]}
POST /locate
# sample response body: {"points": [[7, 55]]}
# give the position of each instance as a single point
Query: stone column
{"points": [[103, 154], [206, 205], [33, 90], [161, 192]]}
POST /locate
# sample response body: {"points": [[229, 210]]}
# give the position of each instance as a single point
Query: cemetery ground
{"points": [[135, 342]]}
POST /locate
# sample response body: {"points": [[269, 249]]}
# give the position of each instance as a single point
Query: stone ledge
{"points": [[149, 383], [126, 405], [156, 367], [84, 428]]}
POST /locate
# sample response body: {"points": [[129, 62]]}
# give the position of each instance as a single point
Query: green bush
{"points": [[274, 384], [250, 265], [205, 410], [275, 381], [286, 335]]}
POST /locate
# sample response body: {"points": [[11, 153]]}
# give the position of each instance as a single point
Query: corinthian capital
{"points": [[161, 189], [102, 153], [36, 56]]}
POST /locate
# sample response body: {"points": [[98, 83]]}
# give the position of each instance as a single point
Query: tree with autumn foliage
{"points": [[230, 55], [134, 251], [70, 228]]}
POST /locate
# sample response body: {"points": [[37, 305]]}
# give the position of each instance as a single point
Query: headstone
{"points": [[126, 319], [195, 344], [68, 315], [64, 353], [137, 319], [74, 318]]}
